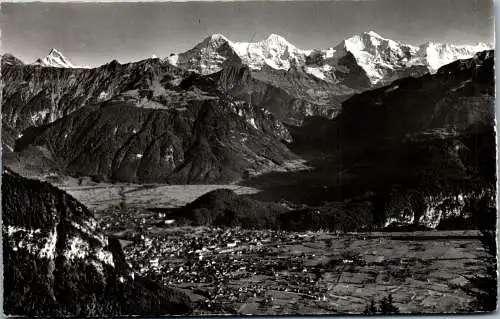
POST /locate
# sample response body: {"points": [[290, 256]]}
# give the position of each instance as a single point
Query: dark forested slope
{"points": [[56, 262]]}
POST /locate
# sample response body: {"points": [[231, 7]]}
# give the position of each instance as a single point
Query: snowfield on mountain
{"points": [[56, 59], [380, 58]]}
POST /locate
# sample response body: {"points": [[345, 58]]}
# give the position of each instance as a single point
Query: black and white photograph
{"points": [[231, 158]]}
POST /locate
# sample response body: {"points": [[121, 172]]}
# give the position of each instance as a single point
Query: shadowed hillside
{"points": [[421, 150], [57, 263]]}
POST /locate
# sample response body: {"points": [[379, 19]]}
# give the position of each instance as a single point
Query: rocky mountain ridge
{"points": [[34, 95], [379, 57], [322, 79]]}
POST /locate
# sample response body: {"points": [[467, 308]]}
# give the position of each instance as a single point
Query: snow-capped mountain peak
{"points": [[208, 55], [53, 52], [435, 55], [274, 38], [382, 59], [373, 43], [213, 41], [274, 51], [376, 54], [218, 37], [373, 34], [55, 59]]}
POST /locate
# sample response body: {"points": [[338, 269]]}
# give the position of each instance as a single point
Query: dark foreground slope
{"points": [[430, 141], [57, 263]]}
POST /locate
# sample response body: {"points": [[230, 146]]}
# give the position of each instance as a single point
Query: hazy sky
{"points": [[95, 33]]}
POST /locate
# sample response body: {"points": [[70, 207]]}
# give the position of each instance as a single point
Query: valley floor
{"points": [[238, 271], [271, 272], [100, 196]]}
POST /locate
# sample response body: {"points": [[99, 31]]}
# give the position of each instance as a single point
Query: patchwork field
{"points": [[241, 271], [100, 196], [270, 272]]}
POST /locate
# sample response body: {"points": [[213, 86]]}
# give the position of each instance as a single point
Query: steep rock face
{"points": [[206, 141], [317, 82], [385, 60], [275, 66], [35, 95], [274, 51], [57, 263], [207, 56], [263, 98], [445, 164], [312, 96], [9, 136], [273, 93], [411, 208], [9, 59], [320, 80]]}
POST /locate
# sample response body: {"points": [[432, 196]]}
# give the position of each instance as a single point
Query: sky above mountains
{"points": [[96, 33]]}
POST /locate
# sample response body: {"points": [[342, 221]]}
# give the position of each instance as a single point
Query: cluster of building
{"points": [[224, 267], [227, 267]]}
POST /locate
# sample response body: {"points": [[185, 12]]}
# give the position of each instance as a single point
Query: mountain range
{"points": [[380, 58], [317, 80], [165, 124], [232, 105]]}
